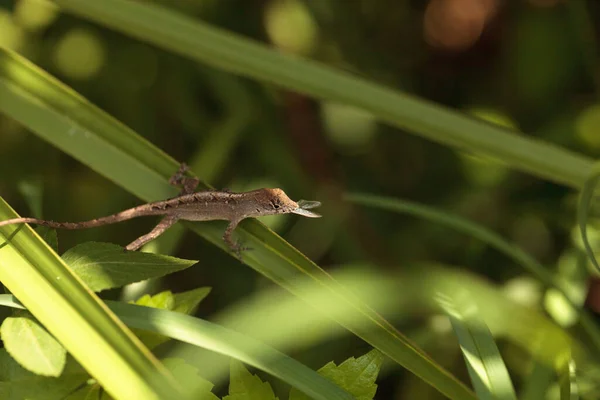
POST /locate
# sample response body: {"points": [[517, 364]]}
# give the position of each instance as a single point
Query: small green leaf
{"points": [[49, 235], [187, 302], [245, 386], [32, 346], [17, 383], [187, 376], [105, 266], [163, 300], [357, 376]]}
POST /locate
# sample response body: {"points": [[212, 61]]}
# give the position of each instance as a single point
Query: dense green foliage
{"points": [[447, 149]]}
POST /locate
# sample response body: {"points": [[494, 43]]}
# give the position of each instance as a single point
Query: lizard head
{"points": [[275, 201]]}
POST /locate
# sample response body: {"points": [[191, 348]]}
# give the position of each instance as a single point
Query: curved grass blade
{"points": [[585, 200], [537, 382], [71, 123], [216, 338], [224, 341], [201, 42], [569, 389], [274, 316], [487, 371], [547, 342], [75, 316], [494, 240]]}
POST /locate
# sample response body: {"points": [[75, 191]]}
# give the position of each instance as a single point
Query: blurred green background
{"points": [[528, 65]]}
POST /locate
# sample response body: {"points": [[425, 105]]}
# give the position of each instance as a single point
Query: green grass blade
{"points": [[567, 380], [461, 225], [69, 122], [528, 328], [537, 382], [285, 322], [487, 370], [494, 240], [201, 42], [225, 341], [216, 338], [585, 200], [74, 315]]}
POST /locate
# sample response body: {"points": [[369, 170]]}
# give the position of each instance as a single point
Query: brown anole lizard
{"points": [[206, 205]]}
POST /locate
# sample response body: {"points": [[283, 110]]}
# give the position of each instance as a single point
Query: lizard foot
{"points": [[179, 176], [238, 248]]}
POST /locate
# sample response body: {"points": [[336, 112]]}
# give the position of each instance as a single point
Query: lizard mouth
{"points": [[304, 206]]}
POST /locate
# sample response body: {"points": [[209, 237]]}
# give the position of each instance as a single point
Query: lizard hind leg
{"points": [[188, 184], [158, 230]]}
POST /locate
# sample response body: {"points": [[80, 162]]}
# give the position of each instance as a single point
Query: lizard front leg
{"points": [[162, 226]]}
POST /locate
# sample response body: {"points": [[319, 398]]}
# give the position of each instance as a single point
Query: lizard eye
{"points": [[275, 204]]}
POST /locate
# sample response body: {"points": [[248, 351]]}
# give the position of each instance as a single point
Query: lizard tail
{"points": [[111, 219]]}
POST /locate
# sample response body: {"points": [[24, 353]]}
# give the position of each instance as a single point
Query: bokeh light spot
{"points": [[11, 34], [348, 127], [587, 126], [290, 26], [79, 54], [35, 15]]}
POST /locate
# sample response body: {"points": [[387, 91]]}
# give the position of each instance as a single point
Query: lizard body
{"points": [[194, 206]]}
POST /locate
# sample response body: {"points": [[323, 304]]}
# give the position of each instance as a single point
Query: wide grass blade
{"points": [[199, 41]]}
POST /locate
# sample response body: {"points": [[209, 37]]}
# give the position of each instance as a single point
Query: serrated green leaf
{"points": [[105, 265], [16, 383], [187, 302], [185, 373], [32, 346], [245, 386], [356, 376], [163, 300]]}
